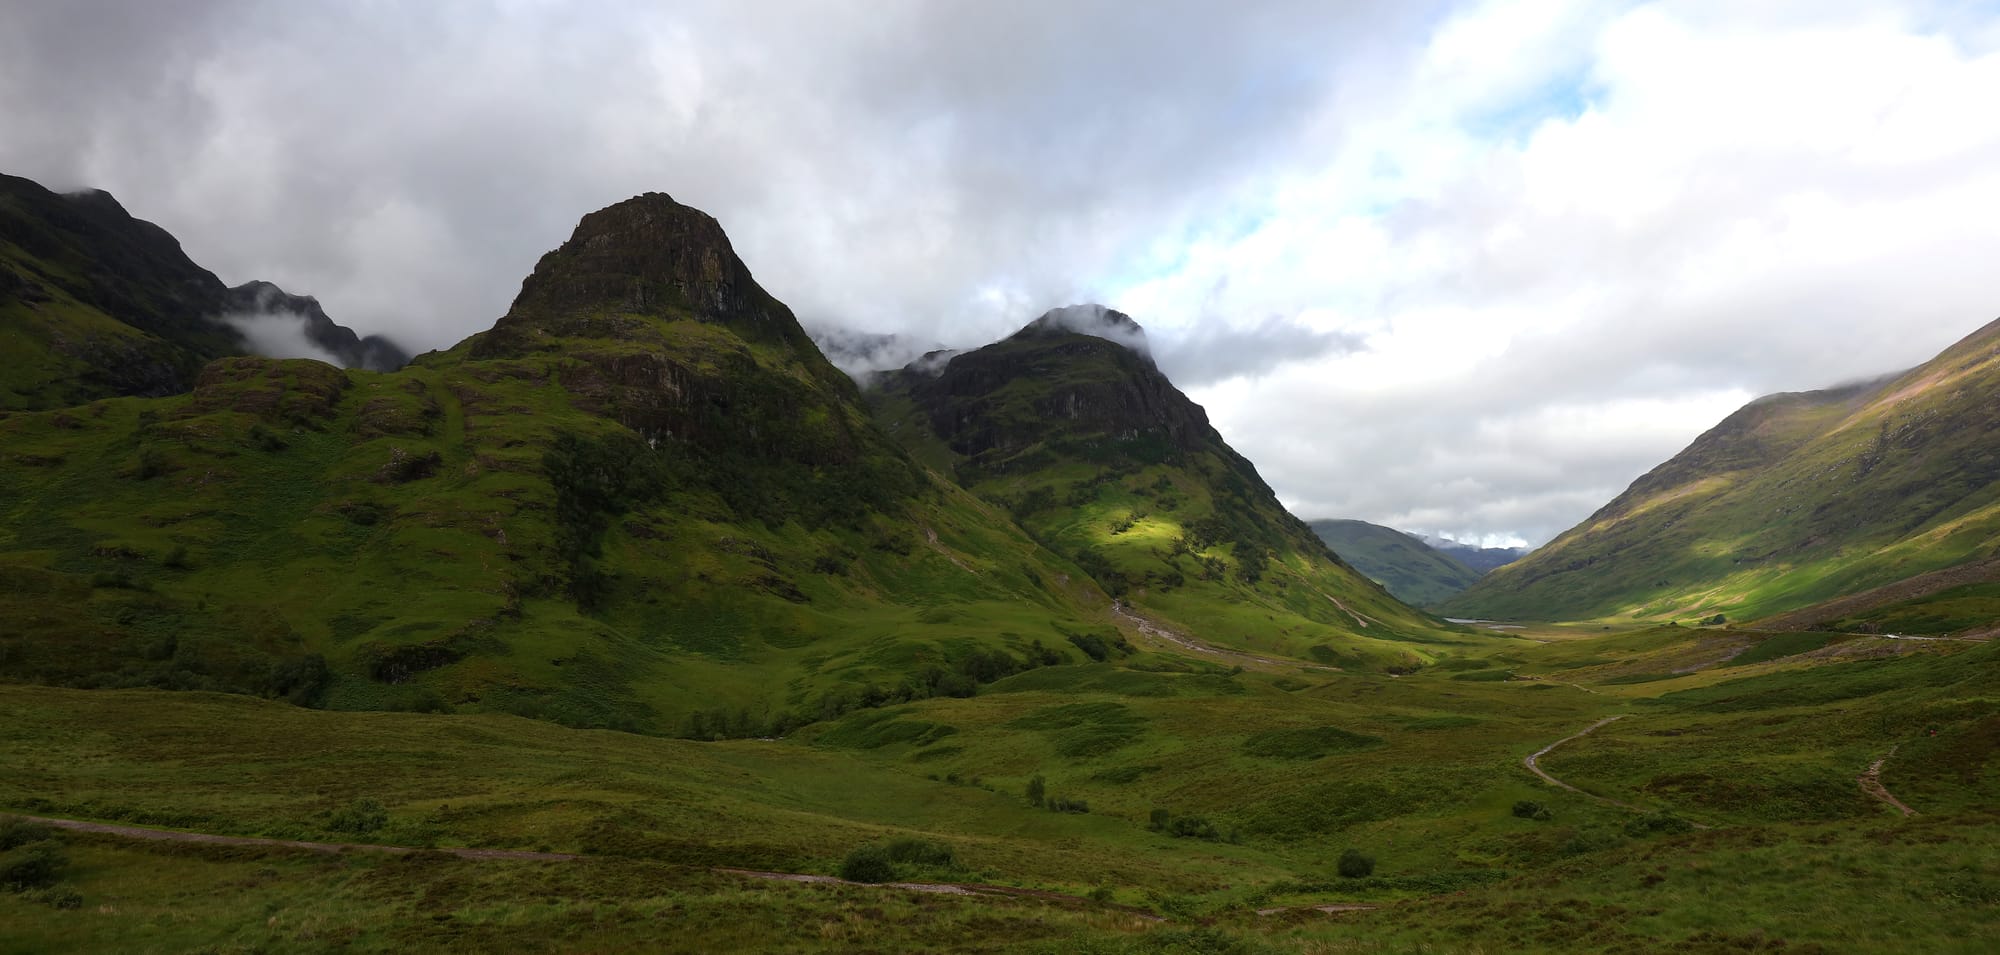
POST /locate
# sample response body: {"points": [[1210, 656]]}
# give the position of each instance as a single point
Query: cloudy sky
{"points": [[1455, 267]]}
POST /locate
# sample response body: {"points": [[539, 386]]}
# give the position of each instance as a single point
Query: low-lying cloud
{"points": [[278, 335]]}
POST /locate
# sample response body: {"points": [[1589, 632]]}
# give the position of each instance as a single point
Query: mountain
{"points": [[95, 303], [255, 300], [1070, 426], [1479, 559], [643, 500], [1411, 570], [1886, 488]]}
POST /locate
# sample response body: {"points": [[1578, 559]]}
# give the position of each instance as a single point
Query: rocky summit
{"points": [[648, 256]]}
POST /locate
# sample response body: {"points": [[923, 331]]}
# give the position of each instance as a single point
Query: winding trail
{"points": [[487, 855], [1151, 629], [1533, 762], [170, 835], [1331, 908], [1871, 783]]}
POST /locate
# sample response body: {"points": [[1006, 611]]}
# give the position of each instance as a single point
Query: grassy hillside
{"points": [[1104, 461], [1410, 569], [1794, 501], [636, 504]]}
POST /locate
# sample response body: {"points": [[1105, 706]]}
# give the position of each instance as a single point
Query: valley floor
{"points": [[1563, 790]]}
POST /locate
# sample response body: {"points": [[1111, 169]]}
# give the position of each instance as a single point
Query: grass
{"points": [[1420, 771]]}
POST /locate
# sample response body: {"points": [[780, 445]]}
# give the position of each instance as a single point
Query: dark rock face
{"points": [[373, 353], [1087, 392], [646, 256]]}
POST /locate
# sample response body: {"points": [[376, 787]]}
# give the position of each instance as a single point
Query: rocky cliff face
{"points": [[646, 257], [1051, 383], [659, 326]]}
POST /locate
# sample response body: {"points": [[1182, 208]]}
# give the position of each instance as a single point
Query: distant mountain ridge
{"points": [[1402, 562], [95, 303], [373, 353], [1798, 500], [1481, 559]]}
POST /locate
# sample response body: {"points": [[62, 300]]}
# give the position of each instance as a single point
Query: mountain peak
{"points": [[1090, 319], [647, 256]]}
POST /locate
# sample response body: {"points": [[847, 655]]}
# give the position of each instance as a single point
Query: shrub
{"points": [[1159, 819], [266, 439], [1037, 790], [62, 895], [1529, 809], [34, 865], [1355, 864], [16, 832], [1661, 823], [360, 817], [868, 863], [1068, 805], [1194, 827]]}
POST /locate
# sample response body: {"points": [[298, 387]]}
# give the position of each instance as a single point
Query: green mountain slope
{"points": [[95, 303], [1795, 500], [1408, 567], [1099, 456], [643, 500]]}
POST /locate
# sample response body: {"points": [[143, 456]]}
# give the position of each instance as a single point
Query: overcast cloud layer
{"points": [[1463, 268]]}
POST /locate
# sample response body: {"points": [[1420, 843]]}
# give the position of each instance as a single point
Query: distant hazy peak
{"points": [[1093, 320]]}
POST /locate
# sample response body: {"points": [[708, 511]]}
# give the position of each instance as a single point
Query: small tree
{"points": [[1038, 790], [1355, 864]]}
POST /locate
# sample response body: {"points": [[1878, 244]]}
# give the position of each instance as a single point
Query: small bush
{"points": [[1159, 819], [1355, 864], [16, 832], [1057, 804], [868, 863], [1658, 823], [361, 817], [62, 895], [265, 439], [1529, 809], [1037, 790], [1194, 827], [34, 865], [829, 565]]}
